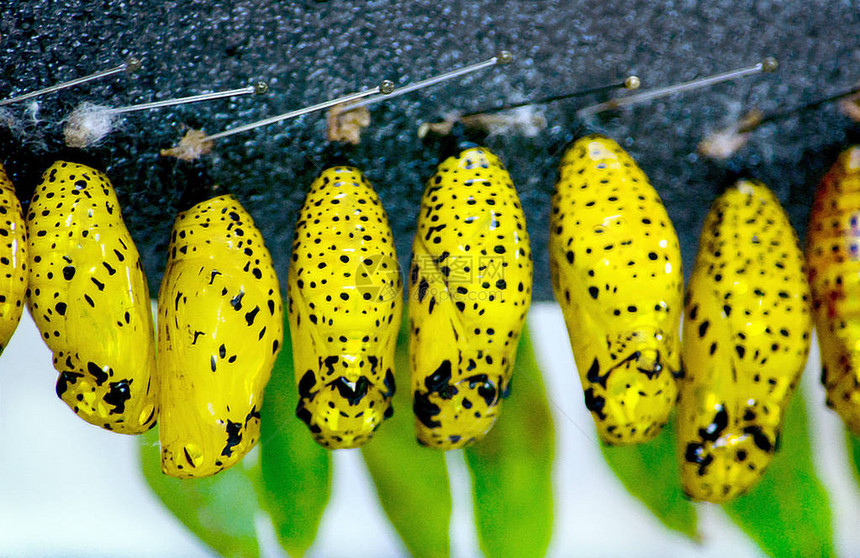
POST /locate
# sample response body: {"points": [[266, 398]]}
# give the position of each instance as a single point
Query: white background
{"points": [[70, 489]]}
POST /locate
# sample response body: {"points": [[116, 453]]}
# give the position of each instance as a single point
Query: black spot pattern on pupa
{"points": [[470, 290], [13, 260], [615, 265], [746, 340], [345, 300], [91, 305], [220, 327]]}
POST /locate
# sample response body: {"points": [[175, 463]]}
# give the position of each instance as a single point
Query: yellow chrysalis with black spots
{"points": [[13, 260], [89, 298], [344, 298], [220, 328], [745, 341], [470, 289], [833, 258], [616, 272]]}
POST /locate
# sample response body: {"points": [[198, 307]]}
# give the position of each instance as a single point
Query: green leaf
{"points": [[854, 448], [411, 480], [220, 510], [511, 468], [788, 513], [651, 473], [296, 479]]}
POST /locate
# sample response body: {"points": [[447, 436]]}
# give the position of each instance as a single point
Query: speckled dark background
{"points": [[309, 51]]}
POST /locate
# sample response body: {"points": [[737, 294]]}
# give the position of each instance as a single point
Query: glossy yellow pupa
{"points": [[13, 260], [470, 289], [89, 298], [220, 328], [616, 271], [746, 336], [833, 259], [345, 298]]}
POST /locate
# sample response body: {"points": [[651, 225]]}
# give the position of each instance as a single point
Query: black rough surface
{"points": [[309, 51]]}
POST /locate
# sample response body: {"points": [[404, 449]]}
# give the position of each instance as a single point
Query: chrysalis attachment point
{"points": [[524, 121], [724, 143], [132, 64], [345, 122], [528, 122], [769, 64], [197, 143], [384, 88], [192, 146], [89, 123], [850, 106], [345, 125]]}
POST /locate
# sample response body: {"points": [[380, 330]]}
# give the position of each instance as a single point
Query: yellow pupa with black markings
{"points": [[833, 258], [345, 298], [13, 260], [746, 335], [616, 272], [470, 290], [89, 298], [220, 328]]}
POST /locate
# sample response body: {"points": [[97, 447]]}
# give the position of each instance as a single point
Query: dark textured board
{"points": [[309, 51]]}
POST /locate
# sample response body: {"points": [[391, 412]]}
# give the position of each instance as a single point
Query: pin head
{"points": [[133, 64], [769, 64], [386, 87], [261, 88], [632, 83], [504, 57]]}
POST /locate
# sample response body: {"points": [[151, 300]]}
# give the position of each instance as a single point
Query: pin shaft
{"points": [[300, 112], [501, 58], [185, 100], [554, 98], [104, 73], [672, 89], [781, 115]]}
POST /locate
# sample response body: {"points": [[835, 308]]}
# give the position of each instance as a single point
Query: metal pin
{"points": [[501, 58], [88, 124], [258, 88], [131, 65], [769, 64], [725, 142], [781, 115], [384, 88], [630, 83]]}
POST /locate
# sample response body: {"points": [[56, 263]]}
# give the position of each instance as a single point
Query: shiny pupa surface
{"points": [[469, 291], [13, 260], [833, 259], [746, 336], [220, 328], [345, 298], [89, 298], [616, 272]]}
